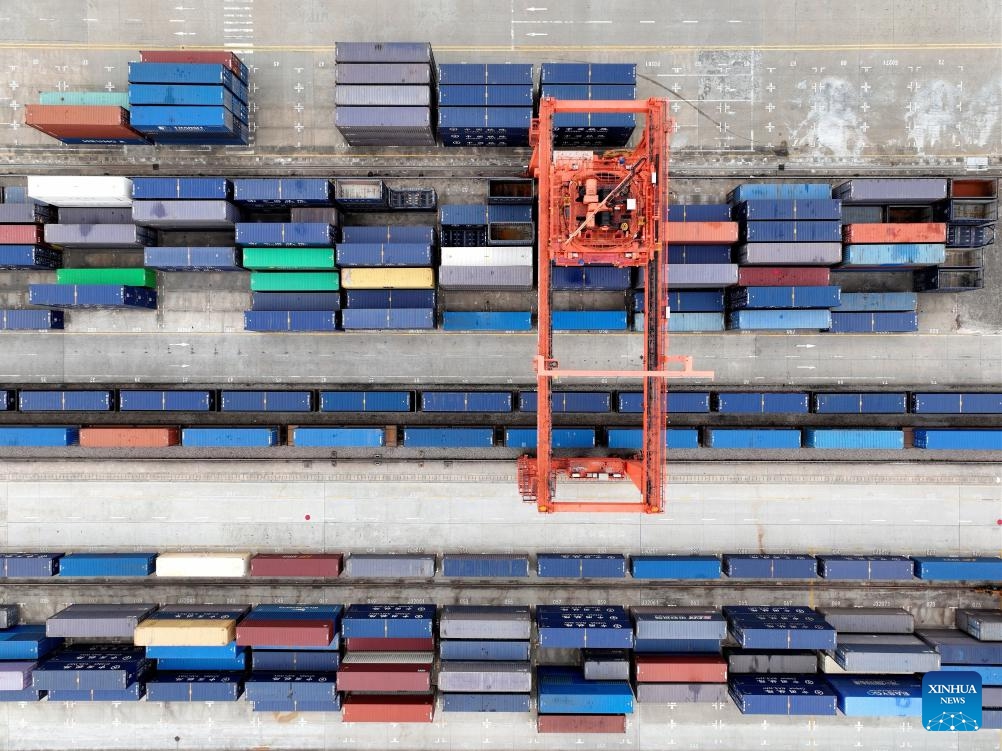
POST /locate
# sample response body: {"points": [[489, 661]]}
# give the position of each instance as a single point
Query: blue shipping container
{"points": [[65, 401], [590, 278], [384, 299], [391, 318], [422, 234], [290, 320], [337, 437], [414, 621], [288, 191], [860, 404], [876, 302], [188, 686], [366, 401], [493, 650], [505, 566], [166, 401], [568, 401], [699, 212], [632, 438], [804, 209], [181, 188], [229, 437], [867, 568], [859, 438], [285, 234], [29, 257], [675, 567], [718, 254], [463, 321], [287, 301], [28, 565], [107, 564], [780, 320], [732, 438], [589, 320], [186, 95], [779, 192], [876, 323], [581, 565], [91, 296], [456, 702], [26, 643], [562, 438], [466, 401], [687, 301], [192, 259], [893, 255], [448, 437], [266, 401], [956, 568], [760, 402], [564, 690], [988, 403], [959, 440], [676, 401], [373, 254], [190, 121], [31, 320], [580, 626], [785, 297], [186, 73], [38, 436]]}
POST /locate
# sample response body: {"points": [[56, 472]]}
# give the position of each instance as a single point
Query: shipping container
{"points": [[581, 565], [877, 302], [702, 275], [131, 277], [733, 438], [372, 254], [780, 320], [312, 565], [390, 621], [853, 439], [97, 621], [354, 319], [26, 213], [895, 233], [876, 323], [222, 57], [789, 210], [283, 191], [448, 437], [27, 642], [510, 622], [891, 190], [675, 401], [486, 277], [862, 620], [37, 436], [672, 567], [475, 702], [306, 259], [485, 566], [878, 696], [764, 566], [987, 403], [699, 254], [782, 695], [192, 259], [27, 565], [107, 564], [760, 402], [564, 690], [959, 236], [780, 192], [975, 213], [65, 401], [561, 438], [30, 320], [29, 257], [129, 437], [336, 437], [579, 626], [568, 401], [578, 724], [588, 320], [200, 214], [958, 647], [165, 686], [784, 297], [590, 278], [202, 564], [192, 123], [959, 440], [957, 568], [170, 401], [485, 649], [181, 188], [79, 190], [317, 281], [485, 256], [466, 401], [381, 96], [901, 255], [366, 401], [285, 234], [793, 232], [882, 653], [20, 234], [388, 708], [388, 566], [315, 215], [680, 669], [412, 74], [984, 625], [782, 276], [388, 278], [88, 98], [701, 233], [860, 403], [698, 212], [91, 296], [382, 52], [186, 95], [229, 437], [485, 676], [95, 215], [881, 567], [83, 124], [792, 254], [422, 234], [98, 235], [290, 320], [469, 321]]}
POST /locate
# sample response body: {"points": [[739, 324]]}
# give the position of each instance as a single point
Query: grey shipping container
{"points": [[764, 661], [485, 622], [382, 52], [700, 275], [382, 96], [682, 693], [790, 254], [377, 120], [656, 622], [606, 664], [487, 277], [984, 625], [390, 566], [98, 235], [315, 214], [485, 676], [892, 190], [869, 620], [97, 621], [884, 653], [413, 74], [186, 214], [10, 615], [95, 215]]}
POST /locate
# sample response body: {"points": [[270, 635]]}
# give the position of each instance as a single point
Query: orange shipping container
{"points": [[388, 708], [701, 233], [581, 723], [80, 121], [681, 669], [127, 438], [895, 233]]}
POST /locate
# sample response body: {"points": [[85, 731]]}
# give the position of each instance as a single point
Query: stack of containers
{"points": [[22, 248], [591, 81], [98, 118], [970, 211], [183, 204], [93, 672], [388, 277], [384, 93], [485, 652], [589, 279], [196, 653], [789, 231], [569, 699], [677, 655], [21, 647], [485, 104], [875, 312], [975, 646], [295, 657], [386, 673], [985, 626], [190, 97]]}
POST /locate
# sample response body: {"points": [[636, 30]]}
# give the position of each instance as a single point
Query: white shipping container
{"points": [[513, 255], [80, 190], [203, 564]]}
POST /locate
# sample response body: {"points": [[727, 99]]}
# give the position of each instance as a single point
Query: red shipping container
{"points": [[21, 234], [919, 232], [284, 633], [681, 669], [581, 723], [701, 233], [384, 677], [210, 57], [312, 565], [380, 644], [376, 708], [80, 121], [783, 276], [127, 438]]}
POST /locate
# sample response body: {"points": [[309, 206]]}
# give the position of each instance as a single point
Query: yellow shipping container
{"points": [[188, 633], [387, 278]]}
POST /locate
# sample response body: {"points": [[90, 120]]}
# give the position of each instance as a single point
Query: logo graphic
{"points": [[951, 701]]}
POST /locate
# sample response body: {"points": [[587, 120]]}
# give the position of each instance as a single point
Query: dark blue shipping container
{"points": [[784, 297], [561, 438], [779, 192], [687, 301], [804, 209], [186, 73], [290, 320], [461, 321], [466, 401], [790, 232], [302, 660], [988, 403], [464, 215], [959, 440], [676, 646], [266, 401], [182, 664], [770, 566], [484, 96], [192, 259], [391, 318], [26, 643], [860, 404], [189, 686], [485, 566], [959, 648], [26, 694], [372, 254], [422, 234], [288, 191], [581, 626], [589, 320], [728, 438], [876, 302], [388, 621], [509, 74], [675, 567], [290, 687], [964, 236], [445, 438], [187, 121], [590, 278], [133, 692], [492, 650], [325, 301], [30, 320], [616, 73], [866, 567], [182, 188], [875, 323], [107, 564], [676, 401], [569, 401], [454, 702], [285, 234], [229, 437], [288, 705], [65, 401], [91, 296], [699, 212], [735, 402], [366, 401], [8, 400], [383, 299], [957, 568], [166, 401], [29, 257], [633, 438], [699, 254], [28, 565], [337, 437], [581, 565], [782, 695]]}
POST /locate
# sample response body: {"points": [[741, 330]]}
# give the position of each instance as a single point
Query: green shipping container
{"points": [[264, 281], [289, 258], [130, 277], [90, 98]]}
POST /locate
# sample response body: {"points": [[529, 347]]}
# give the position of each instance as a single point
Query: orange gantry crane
{"points": [[604, 209]]}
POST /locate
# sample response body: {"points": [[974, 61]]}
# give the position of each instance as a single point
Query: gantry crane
{"points": [[603, 209]]}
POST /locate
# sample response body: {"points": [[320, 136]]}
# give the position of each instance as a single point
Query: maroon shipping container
{"points": [[382, 676], [581, 723], [21, 234], [376, 708], [210, 57], [284, 633], [311, 565], [783, 276], [681, 669], [931, 232], [380, 644]]}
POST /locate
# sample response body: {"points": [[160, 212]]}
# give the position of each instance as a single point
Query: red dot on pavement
{"points": [[999, 522], [308, 518]]}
